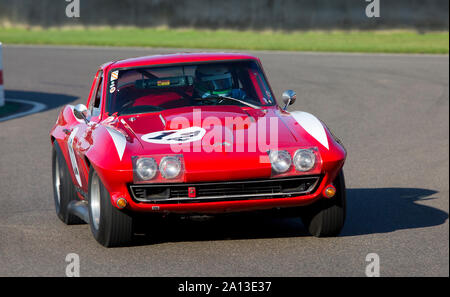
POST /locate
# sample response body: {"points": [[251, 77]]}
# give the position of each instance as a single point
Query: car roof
{"points": [[180, 58]]}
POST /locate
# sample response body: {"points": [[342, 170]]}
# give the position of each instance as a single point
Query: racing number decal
{"points": [[175, 136], [114, 76], [73, 160]]}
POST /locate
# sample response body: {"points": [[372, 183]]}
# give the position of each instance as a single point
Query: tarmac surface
{"points": [[390, 111]]}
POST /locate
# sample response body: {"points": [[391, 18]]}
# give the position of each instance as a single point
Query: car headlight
{"points": [[146, 168], [304, 160], [170, 167], [281, 161]]}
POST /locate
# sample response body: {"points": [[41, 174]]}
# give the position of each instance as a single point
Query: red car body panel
{"points": [[93, 145]]}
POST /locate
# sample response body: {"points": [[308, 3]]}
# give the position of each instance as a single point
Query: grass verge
{"points": [[389, 41]]}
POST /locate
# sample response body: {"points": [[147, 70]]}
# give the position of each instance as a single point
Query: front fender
{"points": [[310, 129], [110, 155]]}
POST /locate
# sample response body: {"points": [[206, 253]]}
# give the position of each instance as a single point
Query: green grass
{"points": [[388, 41]]}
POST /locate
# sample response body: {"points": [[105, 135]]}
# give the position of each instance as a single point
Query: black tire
{"points": [[326, 217], [114, 227], [66, 192]]}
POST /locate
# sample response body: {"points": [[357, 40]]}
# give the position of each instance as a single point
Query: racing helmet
{"points": [[213, 80]]}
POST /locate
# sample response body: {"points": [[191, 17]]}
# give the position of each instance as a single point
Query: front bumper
{"points": [[236, 190], [224, 204], [118, 185]]}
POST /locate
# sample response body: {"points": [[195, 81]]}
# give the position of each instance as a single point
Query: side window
{"points": [[96, 99]]}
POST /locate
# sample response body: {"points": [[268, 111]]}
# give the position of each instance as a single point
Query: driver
{"points": [[213, 80]]}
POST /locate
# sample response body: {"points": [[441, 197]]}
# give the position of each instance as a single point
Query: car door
{"points": [[80, 138]]}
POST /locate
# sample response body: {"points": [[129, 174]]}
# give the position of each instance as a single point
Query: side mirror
{"points": [[289, 98], [80, 111]]}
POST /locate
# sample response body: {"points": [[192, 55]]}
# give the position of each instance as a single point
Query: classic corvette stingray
{"points": [[192, 134]]}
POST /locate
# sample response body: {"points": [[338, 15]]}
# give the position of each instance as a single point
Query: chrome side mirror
{"points": [[80, 111], [289, 98]]}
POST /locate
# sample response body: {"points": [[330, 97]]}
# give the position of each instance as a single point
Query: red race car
{"points": [[192, 134]]}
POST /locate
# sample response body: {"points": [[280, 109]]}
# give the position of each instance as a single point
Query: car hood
{"points": [[226, 141], [229, 126]]}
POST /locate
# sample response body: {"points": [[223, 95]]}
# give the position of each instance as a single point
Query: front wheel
{"points": [[63, 188], [326, 217], [109, 225]]}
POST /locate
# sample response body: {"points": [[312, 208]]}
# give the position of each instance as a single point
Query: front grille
{"points": [[227, 190]]}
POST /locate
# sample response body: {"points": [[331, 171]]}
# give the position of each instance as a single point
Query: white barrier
{"points": [[2, 90]]}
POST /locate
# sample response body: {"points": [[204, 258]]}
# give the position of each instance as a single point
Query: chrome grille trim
{"points": [[137, 190]]}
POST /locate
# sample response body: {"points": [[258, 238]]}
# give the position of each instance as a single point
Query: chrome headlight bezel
{"points": [[141, 165], [170, 167], [160, 173], [281, 161], [302, 157]]}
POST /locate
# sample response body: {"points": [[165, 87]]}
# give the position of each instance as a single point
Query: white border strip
{"points": [[37, 107], [312, 125], [119, 141]]}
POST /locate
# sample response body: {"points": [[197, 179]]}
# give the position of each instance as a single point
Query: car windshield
{"points": [[152, 89]]}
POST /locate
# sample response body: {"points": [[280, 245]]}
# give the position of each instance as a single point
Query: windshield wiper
{"points": [[231, 99]]}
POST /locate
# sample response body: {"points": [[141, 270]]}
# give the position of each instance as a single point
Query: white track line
{"points": [[36, 108]]}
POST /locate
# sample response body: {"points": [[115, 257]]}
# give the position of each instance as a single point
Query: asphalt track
{"points": [[391, 112]]}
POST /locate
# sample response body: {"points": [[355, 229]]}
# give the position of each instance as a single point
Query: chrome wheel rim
{"points": [[57, 182], [94, 202]]}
